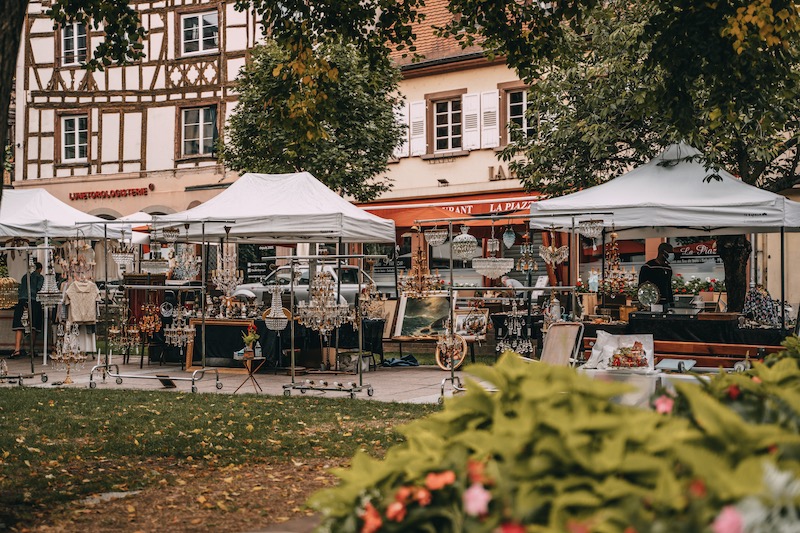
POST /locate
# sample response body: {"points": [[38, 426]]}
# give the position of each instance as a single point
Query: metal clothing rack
{"points": [[323, 385]]}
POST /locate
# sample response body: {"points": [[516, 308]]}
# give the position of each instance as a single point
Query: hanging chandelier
{"points": [[154, 266], [492, 267], [49, 295], [419, 282], [228, 277], [464, 244], [123, 253], [553, 255], [435, 236], [515, 340], [509, 237], [275, 318], [180, 332], [171, 234], [591, 229], [370, 304], [323, 312], [527, 258]]}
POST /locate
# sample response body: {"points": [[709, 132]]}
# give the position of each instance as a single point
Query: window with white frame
{"points": [[199, 130], [517, 108], [447, 118], [74, 138], [199, 33], [73, 44]]}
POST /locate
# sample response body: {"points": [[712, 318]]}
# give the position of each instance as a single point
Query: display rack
{"points": [[351, 387]]}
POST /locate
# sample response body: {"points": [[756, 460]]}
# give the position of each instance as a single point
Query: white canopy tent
{"points": [[282, 208], [32, 213], [672, 196]]}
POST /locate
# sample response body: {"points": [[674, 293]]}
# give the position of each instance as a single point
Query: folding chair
{"points": [[562, 343]]}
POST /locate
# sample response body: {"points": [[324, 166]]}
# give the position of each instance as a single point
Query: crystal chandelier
{"points": [[180, 332], [124, 335], [8, 292], [435, 236], [492, 267], [450, 348], [68, 352], [171, 234], [154, 266], [514, 340], [370, 303], [123, 253], [49, 295], [464, 245], [591, 229], [616, 279], [276, 319], [151, 319], [419, 282], [553, 255], [527, 259], [227, 277], [509, 237], [187, 264], [322, 312]]}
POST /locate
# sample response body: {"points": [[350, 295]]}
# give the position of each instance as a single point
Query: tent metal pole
{"points": [[31, 327], [203, 305], [783, 280], [105, 300], [46, 324]]}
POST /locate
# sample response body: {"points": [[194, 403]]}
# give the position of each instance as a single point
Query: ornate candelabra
{"points": [[323, 312], [514, 339], [527, 258], [419, 282], [615, 277], [68, 352], [450, 348], [492, 267], [180, 332], [151, 319], [552, 254]]}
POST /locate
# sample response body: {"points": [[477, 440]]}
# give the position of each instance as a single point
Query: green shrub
{"points": [[552, 451]]}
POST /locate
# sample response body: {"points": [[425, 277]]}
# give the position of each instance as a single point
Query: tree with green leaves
{"points": [[353, 110], [624, 79]]}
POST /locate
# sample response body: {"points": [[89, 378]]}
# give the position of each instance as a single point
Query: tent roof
{"points": [[283, 208], [33, 213], [672, 195]]}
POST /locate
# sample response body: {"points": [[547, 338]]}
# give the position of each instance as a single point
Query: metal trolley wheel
{"points": [[287, 392], [44, 378], [92, 384], [452, 363], [219, 384]]}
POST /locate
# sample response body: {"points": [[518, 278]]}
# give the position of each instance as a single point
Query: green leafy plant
{"points": [[552, 451]]}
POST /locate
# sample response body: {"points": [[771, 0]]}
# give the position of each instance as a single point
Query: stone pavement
{"points": [[402, 384]]}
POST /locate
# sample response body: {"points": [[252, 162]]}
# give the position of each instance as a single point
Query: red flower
{"points": [[422, 497], [396, 512], [697, 488], [578, 527], [512, 527], [437, 481], [403, 494], [629, 529], [476, 472], [372, 519], [756, 379], [734, 392], [772, 448]]}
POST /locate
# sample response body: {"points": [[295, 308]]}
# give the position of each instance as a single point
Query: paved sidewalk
{"points": [[402, 384]]}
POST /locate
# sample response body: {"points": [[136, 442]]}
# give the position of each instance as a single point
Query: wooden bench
{"points": [[707, 354]]}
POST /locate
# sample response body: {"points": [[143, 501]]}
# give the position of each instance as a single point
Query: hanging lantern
{"points": [[509, 237], [464, 245], [435, 236]]}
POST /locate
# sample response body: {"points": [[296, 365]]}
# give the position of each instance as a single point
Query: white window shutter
{"points": [[471, 108], [417, 133], [490, 118], [401, 150]]}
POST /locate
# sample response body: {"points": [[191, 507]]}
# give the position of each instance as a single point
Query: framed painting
{"points": [[422, 317], [389, 314], [471, 322]]}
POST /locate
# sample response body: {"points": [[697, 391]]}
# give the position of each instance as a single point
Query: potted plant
{"points": [[249, 338]]}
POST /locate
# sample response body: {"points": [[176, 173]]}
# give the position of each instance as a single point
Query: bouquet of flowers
{"points": [[629, 357], [251, 336]]}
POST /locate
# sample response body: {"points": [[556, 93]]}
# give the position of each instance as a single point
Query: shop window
{"points": [[447, 120], [199, 33], [73, 44], [199, 127], [517, 110], [74, 138]]}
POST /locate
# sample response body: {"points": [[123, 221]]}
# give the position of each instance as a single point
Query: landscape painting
{"points": [[422, 317]]}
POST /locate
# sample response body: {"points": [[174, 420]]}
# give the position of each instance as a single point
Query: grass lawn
{"points": [[206, 461]]}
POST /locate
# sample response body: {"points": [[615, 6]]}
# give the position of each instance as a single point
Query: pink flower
{"points": [[728, 521], [372, 519], [664, 404], [422, 497], [396, 511], [476, 500], [436, 481], [756, 379]]}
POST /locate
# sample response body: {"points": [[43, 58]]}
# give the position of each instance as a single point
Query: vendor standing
{"points": [[35, 281], [658, 272]]}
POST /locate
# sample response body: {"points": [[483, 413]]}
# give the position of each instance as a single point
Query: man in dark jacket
{"points": [[659, 273]]}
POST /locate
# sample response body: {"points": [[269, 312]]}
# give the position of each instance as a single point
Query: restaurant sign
{"points": [[110, 193]]}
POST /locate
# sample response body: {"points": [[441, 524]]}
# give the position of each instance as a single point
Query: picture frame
{"points": [[422, 317], [471, 323], [390, 315]]}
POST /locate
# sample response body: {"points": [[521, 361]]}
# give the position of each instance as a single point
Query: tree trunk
{"points": [[12, 18], [734, 250]]}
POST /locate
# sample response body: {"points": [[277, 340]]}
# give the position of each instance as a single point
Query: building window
{"points": [[447, 117], [74, 138], [199, 131], [199, 33], [73, 44], [517, 107]]}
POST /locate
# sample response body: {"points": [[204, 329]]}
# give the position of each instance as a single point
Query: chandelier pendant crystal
{"points": [[464, 244], [171, 234], [591, 229], [435, 236], [323, 312], [180, 332], [492, 267], [123, 253], [49, 295], [509, 237], [527, 258], [276, 319], [553, 255], [228, 277], [419, 282], [515, 340]]}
